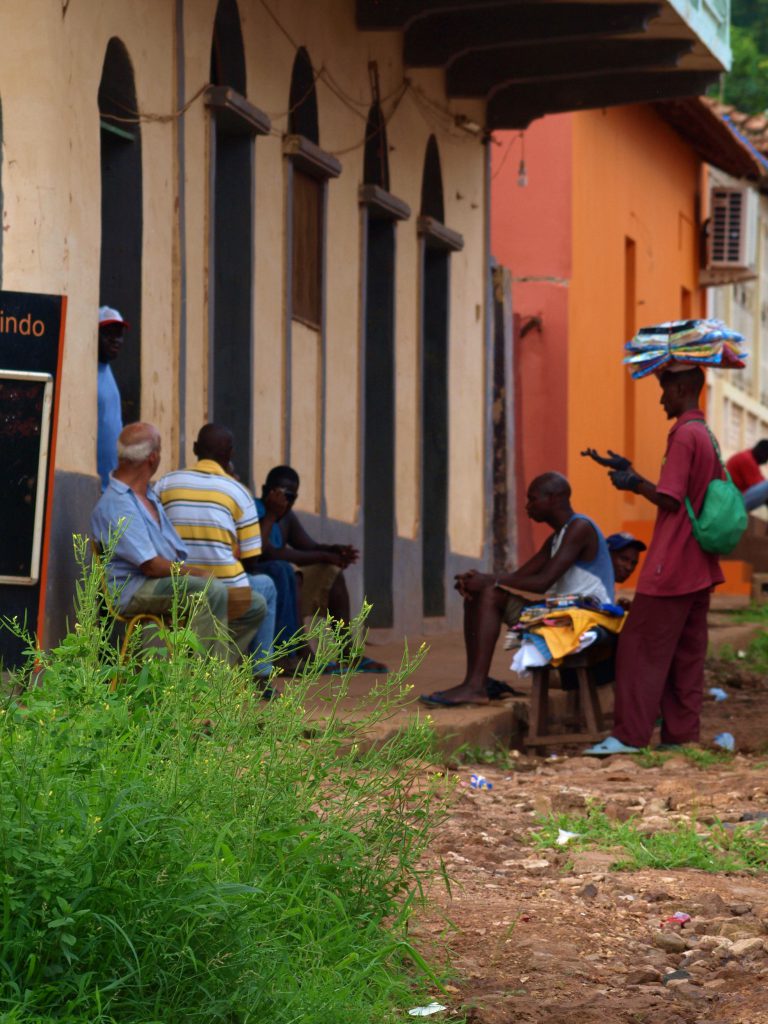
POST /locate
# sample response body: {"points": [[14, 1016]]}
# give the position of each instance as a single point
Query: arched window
{"points": [[381, 212], [432, 183], [121, 216], [230, 363], [308, 169], [437, 243], [308, 200], [227, 52], [302, 101], [376, 157]]}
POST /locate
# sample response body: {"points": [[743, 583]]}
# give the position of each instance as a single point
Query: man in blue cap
{"points": [[112, 328], [625, 554]]}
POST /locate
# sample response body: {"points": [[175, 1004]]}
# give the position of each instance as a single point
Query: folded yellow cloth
{"points": [[564, 639]]}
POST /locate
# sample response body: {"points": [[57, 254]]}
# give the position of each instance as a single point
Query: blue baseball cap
{"points": [[619, 541]]}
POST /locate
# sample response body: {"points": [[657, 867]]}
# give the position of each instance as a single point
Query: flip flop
{"points": [[371, 666], [438, 700], [499, 690], [365, 665], [610, 745]]}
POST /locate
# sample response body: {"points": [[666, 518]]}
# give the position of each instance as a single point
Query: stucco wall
{"points": [[738, 401], [532, 235], [595, 179], [633, 178], [51, 243], [50, 67]]}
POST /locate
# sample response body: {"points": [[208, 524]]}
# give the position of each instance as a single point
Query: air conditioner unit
{"points": [[734, 214]]}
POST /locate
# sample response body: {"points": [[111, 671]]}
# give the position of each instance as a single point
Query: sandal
{"points": [[365, 665], [610, 745], [439, 700], [499, 690]]}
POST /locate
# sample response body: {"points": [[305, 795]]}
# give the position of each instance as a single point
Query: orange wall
{"points": [[595, 180], [633, 179]]}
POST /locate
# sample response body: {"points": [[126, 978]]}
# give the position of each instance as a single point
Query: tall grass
{"points": [[176, 851]]}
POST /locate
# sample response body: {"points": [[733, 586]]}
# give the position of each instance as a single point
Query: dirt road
{"points": [[556, 936]]}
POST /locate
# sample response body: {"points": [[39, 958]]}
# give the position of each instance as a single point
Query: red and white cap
{"points": [[108, 315]]}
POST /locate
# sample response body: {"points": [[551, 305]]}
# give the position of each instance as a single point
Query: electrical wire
{"points": [[507, 151], [432, 112], [137, 117], [379, 128]]}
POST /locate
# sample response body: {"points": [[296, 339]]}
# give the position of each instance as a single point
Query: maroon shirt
{"points": [[675, 564]]}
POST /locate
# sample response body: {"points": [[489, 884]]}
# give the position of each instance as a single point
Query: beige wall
{"points": [[51, 191], [738, 401], [51, 188]]}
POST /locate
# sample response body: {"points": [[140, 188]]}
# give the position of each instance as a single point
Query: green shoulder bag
{"points": [[723, 517]]}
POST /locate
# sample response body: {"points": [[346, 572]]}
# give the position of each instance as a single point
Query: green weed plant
{"points": [[177, 851], [754, 658], [498, 756], [698, 757], [752, 613], [744, 848]]}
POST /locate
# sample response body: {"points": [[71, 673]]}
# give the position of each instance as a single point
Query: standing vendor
{"points": [[661, 651]]}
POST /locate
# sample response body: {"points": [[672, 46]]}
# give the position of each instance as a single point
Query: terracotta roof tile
{"points": [[753, 126]]}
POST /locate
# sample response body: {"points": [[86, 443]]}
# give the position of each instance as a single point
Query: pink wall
{"points": [[531, 235]]}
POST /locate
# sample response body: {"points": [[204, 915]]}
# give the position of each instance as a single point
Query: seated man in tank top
{"points": [[574, 560]]}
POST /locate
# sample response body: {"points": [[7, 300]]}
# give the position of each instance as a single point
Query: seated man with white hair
{"points": [[147, 546]]}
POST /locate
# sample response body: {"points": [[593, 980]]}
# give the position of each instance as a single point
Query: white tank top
{"points": [[577, 579]]}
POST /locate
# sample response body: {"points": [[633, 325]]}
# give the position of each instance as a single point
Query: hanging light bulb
{"points": [[522, 173]]}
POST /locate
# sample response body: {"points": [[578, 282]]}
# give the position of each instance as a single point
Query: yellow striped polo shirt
{"points": [[216, 518]]}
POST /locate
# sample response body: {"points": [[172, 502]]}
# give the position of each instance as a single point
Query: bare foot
{"points": [[456, 697]]}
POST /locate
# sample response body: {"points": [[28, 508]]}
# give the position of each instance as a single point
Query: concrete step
{"points": [[498, 724]]}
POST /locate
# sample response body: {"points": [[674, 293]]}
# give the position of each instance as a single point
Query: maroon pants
{"points": [[660, 667]]}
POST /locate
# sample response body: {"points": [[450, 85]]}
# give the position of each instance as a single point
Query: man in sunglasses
{"points": [[320, 566]]}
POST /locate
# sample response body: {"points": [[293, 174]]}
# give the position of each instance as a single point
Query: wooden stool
{"points": [[589, 702]]}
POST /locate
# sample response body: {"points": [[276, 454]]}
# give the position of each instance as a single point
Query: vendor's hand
{"points": [[612, 460], [276, 502], [470, 583], [625, 480]]}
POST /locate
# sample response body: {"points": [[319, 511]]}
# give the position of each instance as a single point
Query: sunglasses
{"points": [[289, 495]]}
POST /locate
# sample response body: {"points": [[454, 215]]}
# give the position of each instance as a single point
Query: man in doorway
{"points": [[112, 330], [660, 658], [130, 520], [745, 471], [320, 566], [216, 518], [574, 560]]}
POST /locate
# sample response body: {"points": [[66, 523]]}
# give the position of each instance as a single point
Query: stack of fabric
{"points": [[563, 625], [681, 344]]}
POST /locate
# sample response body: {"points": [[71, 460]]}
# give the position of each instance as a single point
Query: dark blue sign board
{"points": [[31, 350]]}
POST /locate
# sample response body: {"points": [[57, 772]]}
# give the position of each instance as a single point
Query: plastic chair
{"points": [[132, 621]]}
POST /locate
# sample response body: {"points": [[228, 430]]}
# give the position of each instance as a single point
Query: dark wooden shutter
{"points": [[307, 248]]}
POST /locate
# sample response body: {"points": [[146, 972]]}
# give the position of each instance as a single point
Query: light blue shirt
{"points": [[110, 422], [140, 537]]}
